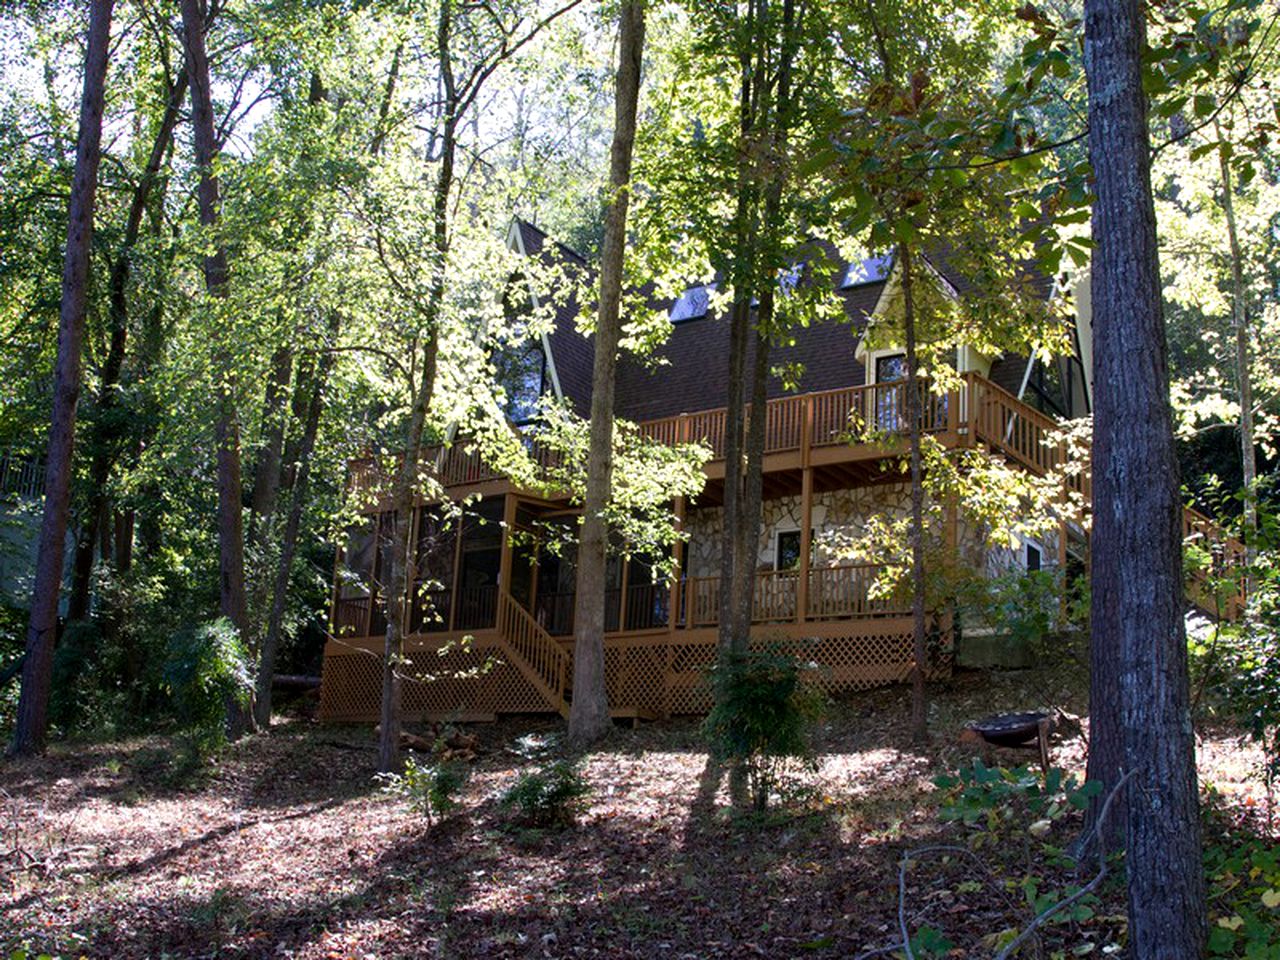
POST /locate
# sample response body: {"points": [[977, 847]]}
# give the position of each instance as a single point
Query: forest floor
{"points": [[287, 847]]}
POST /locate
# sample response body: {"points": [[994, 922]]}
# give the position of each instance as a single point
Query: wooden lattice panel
{"points": [[664, 674], [634, 674], [351, 686]]}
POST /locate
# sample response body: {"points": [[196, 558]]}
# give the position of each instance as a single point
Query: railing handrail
{"points": [[543, 654]]}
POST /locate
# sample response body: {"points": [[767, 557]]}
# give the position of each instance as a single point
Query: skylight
{"points": [[692, 303], [869, 270]]}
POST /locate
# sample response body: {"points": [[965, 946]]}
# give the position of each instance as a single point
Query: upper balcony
{"points": [[851, 429]]}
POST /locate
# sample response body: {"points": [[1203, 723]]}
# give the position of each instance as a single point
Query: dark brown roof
{"points": [[690, 370]]}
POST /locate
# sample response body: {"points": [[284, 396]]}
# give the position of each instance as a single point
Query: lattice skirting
{"points": [[662, 674]]}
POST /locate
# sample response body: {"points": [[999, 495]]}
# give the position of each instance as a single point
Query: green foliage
{"points": [[1242, 871], [1000, 798], [1241, 664], [206, 668], [429, 788], [1035, 608], [551, 796], [12, 624], [762, 717]]}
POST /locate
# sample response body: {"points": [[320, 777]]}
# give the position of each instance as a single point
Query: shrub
{"points": [[206, 668], [1241, 663], [430, 789], [12, 643], [549, 797], [1004, 798], [761, 719]]}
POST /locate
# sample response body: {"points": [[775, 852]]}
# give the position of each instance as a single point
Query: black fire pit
{"points": [[1016, 730]]}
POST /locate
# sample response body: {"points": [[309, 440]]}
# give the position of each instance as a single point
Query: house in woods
{"points": [[21, 501], [517, 602]]}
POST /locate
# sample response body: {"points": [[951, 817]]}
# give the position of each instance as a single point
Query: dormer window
{"points": [[693, 303], [870, 269], [522, 372]]}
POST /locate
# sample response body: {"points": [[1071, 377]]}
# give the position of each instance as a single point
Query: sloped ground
{"points": [[288, 849]]}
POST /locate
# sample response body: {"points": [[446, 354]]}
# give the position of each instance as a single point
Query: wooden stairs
{"points": [[1022, 433], [534, 652]]}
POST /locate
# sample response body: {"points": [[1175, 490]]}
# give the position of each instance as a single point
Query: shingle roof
{"points": [[691, 373]]}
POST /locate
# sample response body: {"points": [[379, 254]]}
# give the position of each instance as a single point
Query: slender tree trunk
{"points": [[1244, 380], [37, 670], [104, 434], [732, 637], [217, 278], [589, 712], [293, 523], [915, 419], [400, 574], [1139, 700], [266, 472]]}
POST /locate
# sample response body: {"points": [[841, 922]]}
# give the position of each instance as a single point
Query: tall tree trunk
{"points": [[37, 670], [1139, 703], [400, 575], [293, 523], [266, 472], [732, 635], [104, 435], [217, 277], [915, 424], [589, 712], [1244, 379]]}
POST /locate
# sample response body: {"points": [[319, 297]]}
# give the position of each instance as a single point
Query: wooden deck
{"points": [[521, 660], [654, 674]]}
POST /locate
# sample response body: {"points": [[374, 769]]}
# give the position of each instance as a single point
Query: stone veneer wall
{"points": [[843, 510], [846, 511]]}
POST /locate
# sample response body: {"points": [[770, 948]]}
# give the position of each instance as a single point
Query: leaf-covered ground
{"points": [[288, 849]]}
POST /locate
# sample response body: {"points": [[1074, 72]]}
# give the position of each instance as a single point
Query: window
{"points": [[890, 400], [786, 553], [522, 371], [891, 368], [693, 303], [1033, 558], [868, 270]]}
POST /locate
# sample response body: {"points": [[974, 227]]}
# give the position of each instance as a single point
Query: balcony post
{"points": [[806, 543], [455, 580], [673, 605], [625, 577], [508, 527]]}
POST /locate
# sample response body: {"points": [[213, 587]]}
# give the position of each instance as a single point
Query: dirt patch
{"points": [[288, 849]]}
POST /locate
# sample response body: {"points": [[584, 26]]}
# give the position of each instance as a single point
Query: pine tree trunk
{"points": [[915, 423], [1140, 714], [589, 712], [37, 671], [227, 428], [293, 523]]}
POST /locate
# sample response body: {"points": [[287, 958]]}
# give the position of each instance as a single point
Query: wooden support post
{"points": [[673, 605], [622, 594], [533, 579], [806, 543], [455, 585], [508, 528]]}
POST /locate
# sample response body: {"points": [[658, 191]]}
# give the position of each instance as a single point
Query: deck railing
{"points": [[837, 592], [834, 592], [1222, 584], [826, 419], [534, 645], [21, 475]]}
